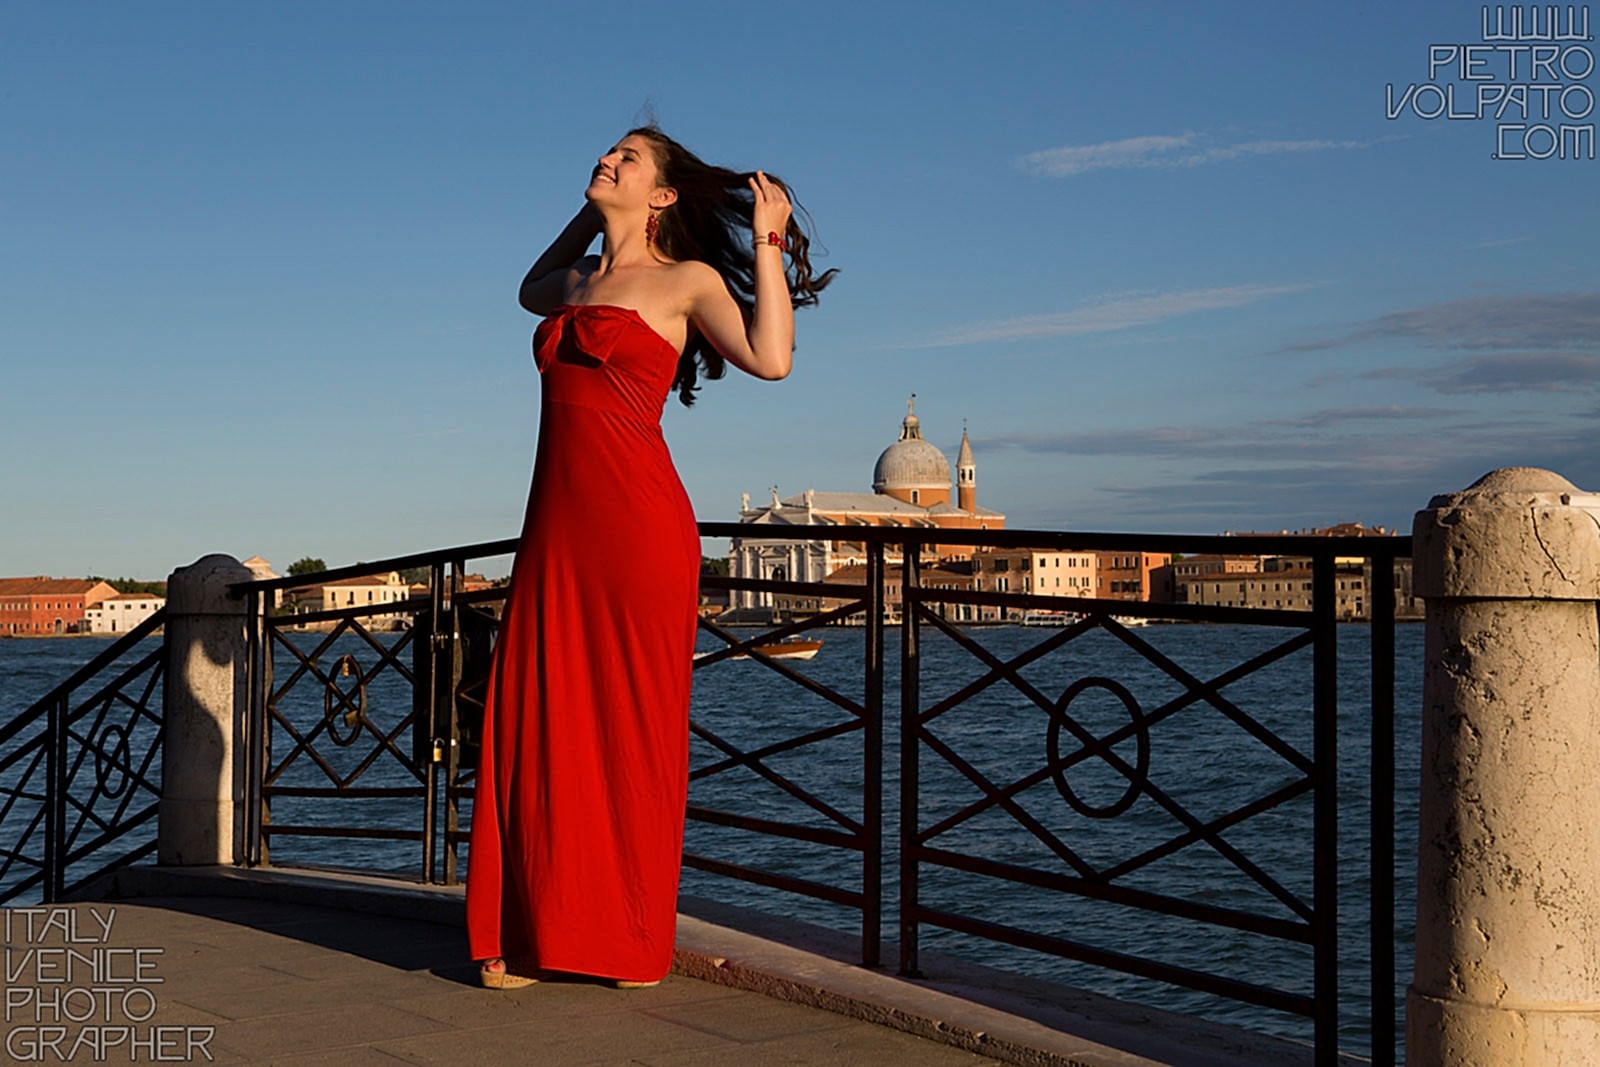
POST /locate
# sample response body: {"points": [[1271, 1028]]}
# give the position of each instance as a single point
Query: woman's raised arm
{"points": [[544, 286], [761, 342]]}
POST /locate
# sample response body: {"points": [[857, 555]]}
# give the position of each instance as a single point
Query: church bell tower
{"points": [[966, 475]]}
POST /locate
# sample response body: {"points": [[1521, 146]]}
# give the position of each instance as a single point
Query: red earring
{"points": [[652, 229]]}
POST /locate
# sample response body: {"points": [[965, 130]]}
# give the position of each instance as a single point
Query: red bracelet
{"points": [[774, 238]]}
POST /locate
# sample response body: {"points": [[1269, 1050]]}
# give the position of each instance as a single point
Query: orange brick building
{"points": [[35, 606]]}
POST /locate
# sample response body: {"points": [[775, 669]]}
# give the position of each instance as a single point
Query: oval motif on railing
{"points": [[1141, 768], [338, 705], [118, 758]]}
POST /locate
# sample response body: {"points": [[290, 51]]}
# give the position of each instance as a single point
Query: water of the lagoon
{"points": [[1197, 757]]}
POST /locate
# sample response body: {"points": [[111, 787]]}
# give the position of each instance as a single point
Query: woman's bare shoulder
{"points": [[698, 280]]}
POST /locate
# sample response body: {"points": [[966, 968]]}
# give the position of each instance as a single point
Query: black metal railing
{"points": [[1044, 749], [1014, 755], [1056, 773], [80, 773], [357, 715], [1295, 775]]}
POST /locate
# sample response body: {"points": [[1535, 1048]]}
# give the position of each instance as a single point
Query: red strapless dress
{"points": [[577, 825]]}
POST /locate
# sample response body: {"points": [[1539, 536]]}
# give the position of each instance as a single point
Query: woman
{"points": [[577, 825]]}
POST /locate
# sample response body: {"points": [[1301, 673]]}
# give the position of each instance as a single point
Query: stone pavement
{"points": [[265, 982], [276, 966]]}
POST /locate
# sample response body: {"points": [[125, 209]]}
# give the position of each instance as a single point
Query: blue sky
{"points": [[1172, 263]]}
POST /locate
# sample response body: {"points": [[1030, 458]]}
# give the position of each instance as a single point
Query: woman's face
{"points": [[627, 174]]}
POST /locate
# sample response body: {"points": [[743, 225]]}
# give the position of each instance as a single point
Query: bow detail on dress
{"points": [[591, 329]]}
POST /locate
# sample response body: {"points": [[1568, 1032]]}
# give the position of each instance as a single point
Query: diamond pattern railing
{"points": [[1113, 862], [336, 759], [80, 773]]}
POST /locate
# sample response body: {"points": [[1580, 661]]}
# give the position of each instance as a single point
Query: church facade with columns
{"points": [[911, 487]]}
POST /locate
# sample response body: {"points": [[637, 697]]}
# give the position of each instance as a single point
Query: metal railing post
{"points": [[910, 701], [450, 730], [1325, 820], [255, 722], [55, 810], [434, 751], [872, 771], [261, 751], [1382, 609]]}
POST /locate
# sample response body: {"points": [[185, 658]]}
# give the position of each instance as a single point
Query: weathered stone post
{"points": [[203, 755], [1508, 865]]}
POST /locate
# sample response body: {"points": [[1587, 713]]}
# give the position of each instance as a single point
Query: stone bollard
{"points": [[1508, 865], [203, 753]]}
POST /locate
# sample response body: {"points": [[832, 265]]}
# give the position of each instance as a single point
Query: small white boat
{"points": [[792, 648]]}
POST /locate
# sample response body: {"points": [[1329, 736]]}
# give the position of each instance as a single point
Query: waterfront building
{"points": [[1037, 572], [911, 487], [953, 574], [1199, 566], [120, 613], [1287, 588], [1146, 576], [367, 591], [1279, 581], [475, 583], [41, 605]]}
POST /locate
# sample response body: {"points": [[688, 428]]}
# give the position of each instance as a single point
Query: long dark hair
{"points": [[711, 222]]}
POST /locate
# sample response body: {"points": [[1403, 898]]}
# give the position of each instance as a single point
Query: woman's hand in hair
{"points": [[772, 207]]}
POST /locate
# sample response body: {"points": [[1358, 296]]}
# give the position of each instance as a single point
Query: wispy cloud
{"points": [[1188, 149], [1344, 464], [1063, 162], [1308, 437], [1530, 322], [1525, 372], [1119, 312], [1330, 418], [1500, 243], [1385, 481]]}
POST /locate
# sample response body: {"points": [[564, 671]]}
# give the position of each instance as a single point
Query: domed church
{"points": [[910, 487], [914, 471]]}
